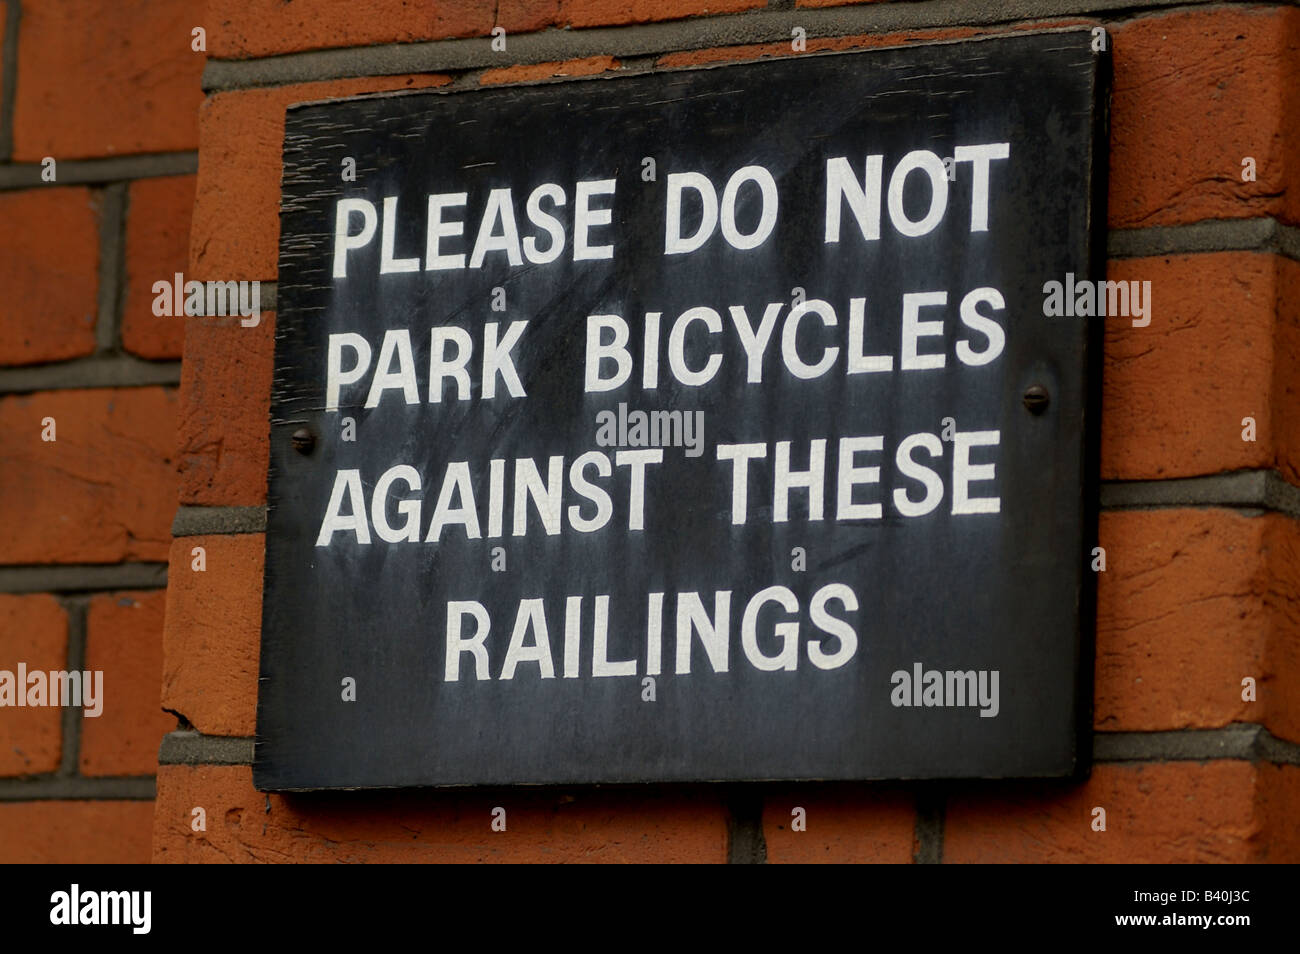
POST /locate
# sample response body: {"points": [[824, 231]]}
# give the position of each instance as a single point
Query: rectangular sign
{"points": [[697, 425]]}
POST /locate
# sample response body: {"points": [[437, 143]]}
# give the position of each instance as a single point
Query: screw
{"points": [[303, 440], [1036, 399]]}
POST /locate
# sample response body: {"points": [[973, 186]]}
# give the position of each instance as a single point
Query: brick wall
{"points": [[110, 92], [1200, 527]]}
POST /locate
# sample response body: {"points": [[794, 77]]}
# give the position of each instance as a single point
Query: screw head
{"points": [[303, 440], [1036, 399]]}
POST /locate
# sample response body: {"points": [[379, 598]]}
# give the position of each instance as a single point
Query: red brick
{"points": [[1280, 551], [157, 247], [1192, 602], [75, 833], [1174, 393], [1285, 378], [541, 71], [754, 51], [1279, 794], [1172, 813], [103, 78], [845, 825], [247, 28], [655, 826], [33, 630], [124, 640], [863, 41], [49, 269], [103, 492], [525, 16], [250, 28], [225, 407], [235, 233], [1195, 92], [591, 13], [212, 633]]}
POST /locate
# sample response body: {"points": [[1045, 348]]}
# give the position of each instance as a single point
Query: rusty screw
{"points": [[1036, 399], [303, 440]]}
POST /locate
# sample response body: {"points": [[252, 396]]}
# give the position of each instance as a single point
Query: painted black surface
{"points": [[1010, 591]]}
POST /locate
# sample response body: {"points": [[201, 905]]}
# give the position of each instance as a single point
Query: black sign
{"points": [[702, 425]]}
